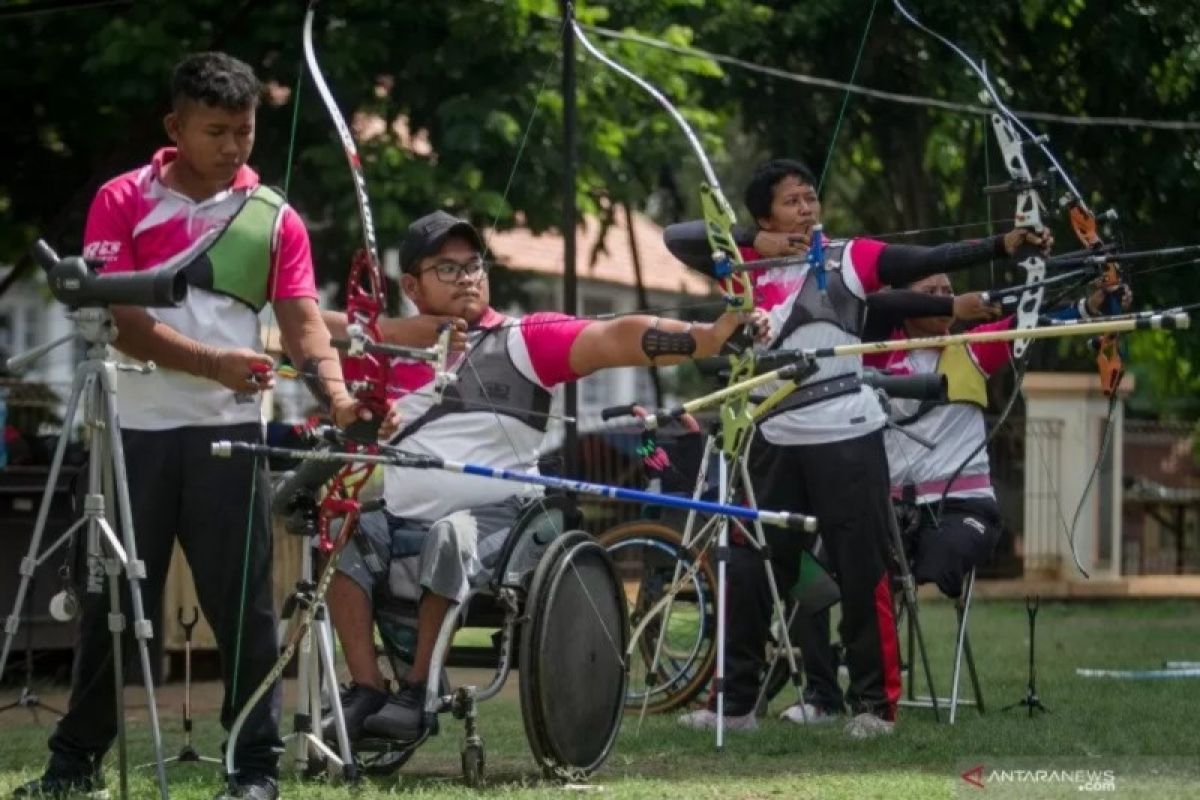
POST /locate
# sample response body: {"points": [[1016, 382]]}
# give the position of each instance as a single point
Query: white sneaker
{"points": [[807, 714], [705, 720], [868, 726]]}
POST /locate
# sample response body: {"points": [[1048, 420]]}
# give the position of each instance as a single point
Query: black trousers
{"points": [[941, 550], [845, 484], [944, 549], [178, 489]]}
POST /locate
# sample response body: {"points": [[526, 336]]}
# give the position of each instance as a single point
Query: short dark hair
{"points": [[760, 192], [215, 79]]}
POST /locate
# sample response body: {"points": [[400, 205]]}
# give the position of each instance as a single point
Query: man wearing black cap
{"points": [[442, 532]]}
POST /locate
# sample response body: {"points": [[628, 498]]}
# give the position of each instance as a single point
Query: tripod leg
{"points": [[762, 701], [307, 718], [685, 545], [135, 570], [722, 572], [116, 624], [324, 643]]}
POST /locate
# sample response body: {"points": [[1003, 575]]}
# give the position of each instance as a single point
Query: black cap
{"points": [[426, 235]]}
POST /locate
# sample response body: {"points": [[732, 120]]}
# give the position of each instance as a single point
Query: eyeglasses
{"points": [[449, 271]]}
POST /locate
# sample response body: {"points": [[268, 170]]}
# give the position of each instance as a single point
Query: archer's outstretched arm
{"points": [[903, 264], [640, 341]]}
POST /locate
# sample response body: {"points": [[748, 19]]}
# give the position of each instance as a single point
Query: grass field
{"points": [[1145, 732]]}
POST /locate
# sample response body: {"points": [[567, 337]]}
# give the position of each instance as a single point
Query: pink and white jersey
{"points": [[956, 429], [838, 418], [137, 223], [538, 349]]}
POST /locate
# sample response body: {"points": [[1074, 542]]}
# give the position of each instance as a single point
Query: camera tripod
{"points": [[315, 666], [94, 387]]}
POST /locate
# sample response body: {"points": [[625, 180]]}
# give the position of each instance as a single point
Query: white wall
{"points": [[1065, 432], [29, 316]]}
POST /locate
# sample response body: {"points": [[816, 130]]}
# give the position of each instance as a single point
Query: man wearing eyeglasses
{"points": [[441, 533]]}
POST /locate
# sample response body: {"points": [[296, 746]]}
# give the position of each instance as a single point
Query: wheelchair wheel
{"points": [[573, 643], [645, 555]]}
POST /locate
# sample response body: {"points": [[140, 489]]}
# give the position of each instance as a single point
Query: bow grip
{"points": [[613, 412], [1110, 281], [816, 255]]}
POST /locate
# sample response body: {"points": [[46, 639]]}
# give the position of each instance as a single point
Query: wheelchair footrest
{"points": [[379, 744]]}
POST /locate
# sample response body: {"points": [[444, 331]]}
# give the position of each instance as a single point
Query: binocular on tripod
{"points": [[76, 282]]}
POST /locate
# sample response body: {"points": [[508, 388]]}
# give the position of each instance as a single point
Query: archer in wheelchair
{"points": [[447, 540]]}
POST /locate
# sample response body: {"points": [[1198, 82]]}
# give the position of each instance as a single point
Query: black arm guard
{"points": [[657, 343]]}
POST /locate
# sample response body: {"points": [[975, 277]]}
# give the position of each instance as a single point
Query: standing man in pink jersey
{"points": [[441, 533], [198, 207]]}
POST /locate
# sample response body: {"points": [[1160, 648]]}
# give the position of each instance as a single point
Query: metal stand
{"points": [[28, 698], [699, 540], [187, 753], [908, 605], [95, 386], [1031, 699], [314, 664], [962, 648]]}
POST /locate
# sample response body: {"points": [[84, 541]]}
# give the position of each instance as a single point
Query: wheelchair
{"points": [[555, 596]]}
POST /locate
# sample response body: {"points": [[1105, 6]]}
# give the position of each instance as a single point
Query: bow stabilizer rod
{"points": [[392, 456]]}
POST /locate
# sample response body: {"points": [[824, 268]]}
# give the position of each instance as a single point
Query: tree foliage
{"points": [[448, 94]]}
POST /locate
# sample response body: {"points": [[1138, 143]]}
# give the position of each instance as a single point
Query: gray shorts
{"points": [[448, 557]]}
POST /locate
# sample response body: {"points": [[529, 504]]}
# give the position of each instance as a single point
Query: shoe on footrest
{"points": [[402, 717], [358, 703]]}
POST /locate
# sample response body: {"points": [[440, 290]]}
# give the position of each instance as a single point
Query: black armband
{"points": [[657, 343], [312, 379]]}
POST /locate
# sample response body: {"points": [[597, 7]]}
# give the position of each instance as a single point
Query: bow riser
{"points": [[1028, 215], [366, 373]]}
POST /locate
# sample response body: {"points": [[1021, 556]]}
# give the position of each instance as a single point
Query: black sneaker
{"points": [[358, 703], [403, 716], [61, 781], [252, 787]]}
